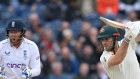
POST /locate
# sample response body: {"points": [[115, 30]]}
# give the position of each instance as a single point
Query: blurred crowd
{"points": [[66, 32]]}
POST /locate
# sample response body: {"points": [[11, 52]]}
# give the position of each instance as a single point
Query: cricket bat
{"points": [[113, 23]]}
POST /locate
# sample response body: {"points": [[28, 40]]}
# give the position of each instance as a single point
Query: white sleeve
{"points": [[133, 44], [104, 59], [35, 61], [0, 52]]}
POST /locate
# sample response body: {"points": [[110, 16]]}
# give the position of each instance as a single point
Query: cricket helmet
{"points": [[108, 31], [16, 25]]}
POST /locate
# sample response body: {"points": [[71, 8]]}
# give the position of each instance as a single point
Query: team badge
{"points": [[102, 30], [13, 24], [25, 54], [37, 57]]}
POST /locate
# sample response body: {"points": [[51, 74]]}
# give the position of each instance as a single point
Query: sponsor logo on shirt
{"points": [[7, 53], [13, 65]]}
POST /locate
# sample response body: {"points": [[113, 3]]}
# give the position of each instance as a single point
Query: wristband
{"points": [[126, 40]]}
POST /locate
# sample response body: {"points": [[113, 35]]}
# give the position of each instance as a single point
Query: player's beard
{"points": [[15, 41], [108, 47]]}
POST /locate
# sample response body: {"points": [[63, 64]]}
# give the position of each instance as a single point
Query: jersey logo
{"points": [[13, 24], [102, 30], [25, 54], [14, 65], [7, 53], [37, 57]]}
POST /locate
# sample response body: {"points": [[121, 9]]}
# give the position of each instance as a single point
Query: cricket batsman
{"points": [[118, 58], [17, 54]]}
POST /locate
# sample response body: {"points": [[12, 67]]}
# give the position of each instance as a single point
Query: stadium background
{"points": [[66, 32]]}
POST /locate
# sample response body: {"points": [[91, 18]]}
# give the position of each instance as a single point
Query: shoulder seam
{"points": [[4, 42], [28, 43]]}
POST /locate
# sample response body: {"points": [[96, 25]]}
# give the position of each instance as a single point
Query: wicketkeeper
{"points": [[17, 51]]}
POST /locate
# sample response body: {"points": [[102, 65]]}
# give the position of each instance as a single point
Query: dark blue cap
{"points": [[16, 25]]}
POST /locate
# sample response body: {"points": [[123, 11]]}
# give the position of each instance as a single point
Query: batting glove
{"points": [[2, 72], [135, 26], [26, 73]]}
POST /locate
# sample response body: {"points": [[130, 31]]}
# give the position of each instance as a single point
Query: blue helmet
{"points": [[16, 25]]}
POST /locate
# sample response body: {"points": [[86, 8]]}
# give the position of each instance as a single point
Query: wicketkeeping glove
{"points": [[2, 72], [26, 72]]}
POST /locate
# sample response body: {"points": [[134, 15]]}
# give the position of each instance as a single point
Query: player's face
{"points": [[15, 36], [107, 43]]}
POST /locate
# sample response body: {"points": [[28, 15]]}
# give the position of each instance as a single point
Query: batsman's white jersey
{"points": [[128, 69], [12, 58]]}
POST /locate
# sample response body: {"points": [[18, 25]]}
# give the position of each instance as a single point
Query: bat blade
{"points": [[113, 23]]}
